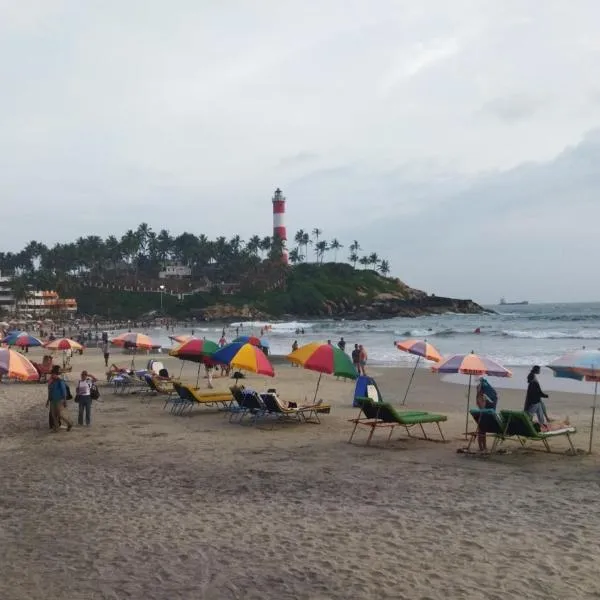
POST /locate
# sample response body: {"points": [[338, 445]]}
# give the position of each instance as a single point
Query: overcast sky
{"points": [[460, 140]]}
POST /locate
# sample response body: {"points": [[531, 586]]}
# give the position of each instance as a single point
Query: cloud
{"points": [[423, 121], [299, 159], [515, 107]]}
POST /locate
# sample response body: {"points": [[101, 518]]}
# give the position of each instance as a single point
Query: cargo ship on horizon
{"points": [[503, 302]]}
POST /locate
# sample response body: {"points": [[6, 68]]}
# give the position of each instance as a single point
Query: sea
{"points": [[520, 335]]}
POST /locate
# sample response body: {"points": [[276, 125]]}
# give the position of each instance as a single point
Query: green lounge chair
{"points": [[518, 424], [382, 414], [489, 422]]}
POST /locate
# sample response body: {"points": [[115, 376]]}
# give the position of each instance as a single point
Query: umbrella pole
{"points": [[198, 376], [317, 388], [468, 406], [181, 370], [593, 417], [410, 380]]}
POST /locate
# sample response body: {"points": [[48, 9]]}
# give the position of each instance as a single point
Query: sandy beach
{"points": [[148, 505]]}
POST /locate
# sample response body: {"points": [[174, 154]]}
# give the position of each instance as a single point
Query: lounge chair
{"points": [[210, 398], [518, 424], [489, 422], [382, 415], [180, 401], [303, 414], [44, 368], [249, 403]]}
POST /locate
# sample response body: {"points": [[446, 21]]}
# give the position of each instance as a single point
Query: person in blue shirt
{"points": [[57, 400]]}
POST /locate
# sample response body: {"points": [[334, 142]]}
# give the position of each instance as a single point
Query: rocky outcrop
{"points": [[381, 306], [229, 312]]}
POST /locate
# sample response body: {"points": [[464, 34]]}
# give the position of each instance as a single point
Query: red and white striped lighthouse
{"points": [[279, 221]]}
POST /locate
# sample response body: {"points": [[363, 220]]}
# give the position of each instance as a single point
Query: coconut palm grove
{"points": [[132, 269]]}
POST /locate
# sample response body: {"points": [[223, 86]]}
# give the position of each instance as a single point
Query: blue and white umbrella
{"points": [[580, 365]]}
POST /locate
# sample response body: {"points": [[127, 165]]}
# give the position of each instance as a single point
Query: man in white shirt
{"points": [[84, 398]]}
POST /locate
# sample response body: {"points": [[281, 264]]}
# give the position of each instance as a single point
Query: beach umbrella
{"points": [[21, 339], [180, 339], [247, 339], [471, 364], [579, 365], [246, 357], [323, 358], [64, 344], [194, 350], [15, 365], [421, 349], [134, 341]]}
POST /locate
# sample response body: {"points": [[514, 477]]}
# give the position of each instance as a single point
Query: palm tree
{"points": [[353, 258], [364, 261], [320, 249], [164, 245], [305, 242], [299, 237], [19, 287], [317, 232], [373, 259], [295, 256], [384, 267], [335, 246], [265, 244], [253, 245]]}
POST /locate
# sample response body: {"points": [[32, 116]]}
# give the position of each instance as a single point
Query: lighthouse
{"points": [[279, 221]]}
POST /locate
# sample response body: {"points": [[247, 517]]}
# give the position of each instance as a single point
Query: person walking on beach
{"points": [[356, 358], [362, 359], [57, 400], [105, 352], [534, 403], [84, 398]]}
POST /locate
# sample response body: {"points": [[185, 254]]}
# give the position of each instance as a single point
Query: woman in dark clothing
{"points": [[534, 404]]}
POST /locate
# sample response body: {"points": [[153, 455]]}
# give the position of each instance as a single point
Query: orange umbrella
{"points": [[134, 340], [64, 344], [16, 366]]}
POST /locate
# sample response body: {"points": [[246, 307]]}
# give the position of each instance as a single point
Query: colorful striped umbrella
{"points": [[323, 358], [244, 356], [16, 366], [195, 350], [421, 349], [64, 344], [581, 364], [134, 340], [247, 339], [471, 364], [21, 339]]}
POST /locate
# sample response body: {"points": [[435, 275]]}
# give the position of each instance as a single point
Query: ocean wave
{"points": [[284, 327], [553, 335]]}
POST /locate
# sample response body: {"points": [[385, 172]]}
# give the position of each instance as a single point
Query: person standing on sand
{"points": [[362, 359], [534, 403], [57, 400], [105, 352], [342, 344], [84, 398], [356, 358]]}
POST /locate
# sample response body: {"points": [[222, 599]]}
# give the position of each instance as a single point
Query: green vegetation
{"points": [[119, 278]]}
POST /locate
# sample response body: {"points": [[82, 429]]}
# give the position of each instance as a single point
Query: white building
{"points": [[7, 301], [177, 271]]}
